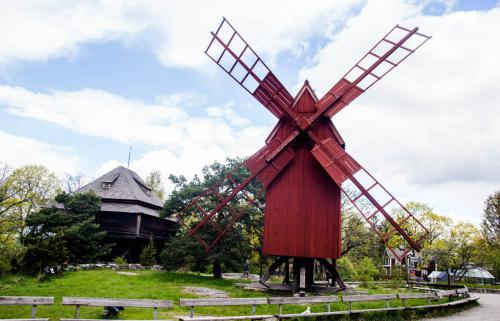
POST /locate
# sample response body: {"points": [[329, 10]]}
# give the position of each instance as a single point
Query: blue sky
{"points": [[82, 81]]}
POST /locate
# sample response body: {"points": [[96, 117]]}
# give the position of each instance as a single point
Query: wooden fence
{"points": [[456, 297]]}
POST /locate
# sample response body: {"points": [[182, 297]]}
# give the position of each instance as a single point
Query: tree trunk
{"points": [[217, 270], [261, 265]]}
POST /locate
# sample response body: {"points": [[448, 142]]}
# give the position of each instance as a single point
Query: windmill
{"points": [[303, 166]]}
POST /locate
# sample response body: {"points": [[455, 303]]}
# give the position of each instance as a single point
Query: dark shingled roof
{"points": [[126, 192]]}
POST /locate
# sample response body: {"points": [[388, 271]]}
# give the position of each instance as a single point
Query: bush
{"points": [[120, 260], [346, 269], [366, 270]]}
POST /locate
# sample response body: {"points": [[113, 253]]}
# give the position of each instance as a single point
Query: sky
{"points": [[82, 81]]}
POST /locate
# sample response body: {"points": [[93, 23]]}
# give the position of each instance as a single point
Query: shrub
{"points": [[120, 260], [366, 269], [346, 269]]}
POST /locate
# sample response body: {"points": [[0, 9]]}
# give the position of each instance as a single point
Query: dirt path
{"points": [[488, 310]]}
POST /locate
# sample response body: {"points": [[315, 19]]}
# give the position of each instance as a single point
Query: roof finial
{"points": [[129, 151]]}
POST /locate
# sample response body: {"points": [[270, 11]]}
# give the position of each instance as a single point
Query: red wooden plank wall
{"points": [[302, 215]]}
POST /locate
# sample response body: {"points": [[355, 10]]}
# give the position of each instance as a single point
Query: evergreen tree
{"points": [[148, 254], [241, 242], [54, 236], [490, 225]]}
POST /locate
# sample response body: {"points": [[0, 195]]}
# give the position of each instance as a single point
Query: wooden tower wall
{"points": [[302, 216]]}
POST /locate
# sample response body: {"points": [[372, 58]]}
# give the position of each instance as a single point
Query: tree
{"points": [[148, 253], [366, 270], [241, 242], [72, 183], [490, 230], [354, 230], [54, 236], [44, 241], [346, 269], [490, 226], [457, 250], [22, 191], [437, 225], [153, 180]]}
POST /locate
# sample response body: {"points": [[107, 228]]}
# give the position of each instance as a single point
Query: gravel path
{"points": [[488, 310]]}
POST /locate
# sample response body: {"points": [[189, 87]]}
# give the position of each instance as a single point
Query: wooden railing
{"points": [[456, 297], [34, 301]]}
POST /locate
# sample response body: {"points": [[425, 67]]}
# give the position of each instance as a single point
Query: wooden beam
{"points": [[109, 302], [222, 301], [26, 300]]}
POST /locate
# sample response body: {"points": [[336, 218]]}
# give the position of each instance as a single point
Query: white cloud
{"points": [[32, 31], [429, 129], [176, 31], [181, 143], [18, 151], [271, 27]]}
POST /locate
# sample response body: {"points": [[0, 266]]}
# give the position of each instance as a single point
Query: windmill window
{"points": [[106, 185]]}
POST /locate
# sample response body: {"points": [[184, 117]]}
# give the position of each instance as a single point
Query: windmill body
{"points": [[302, 216], [303, 166]]}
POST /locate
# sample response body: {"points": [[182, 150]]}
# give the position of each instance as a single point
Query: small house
{"points": [[129, 212], [393, 266]]}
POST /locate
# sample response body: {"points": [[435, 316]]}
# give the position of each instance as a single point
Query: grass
{"points": [[149, 285]]}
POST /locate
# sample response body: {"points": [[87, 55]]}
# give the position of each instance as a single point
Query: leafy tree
{"points": [[366, 270], [153, 180], [54, 236], [148, 253], [346, 269], [457, 250], [22, 191], [355, 233], [437, 225], [242, 240]]}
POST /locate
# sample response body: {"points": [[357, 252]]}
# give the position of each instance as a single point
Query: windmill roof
{"points": [[123, 190]]}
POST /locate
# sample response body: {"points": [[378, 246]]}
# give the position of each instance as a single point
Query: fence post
{"points": [[33, 311]]}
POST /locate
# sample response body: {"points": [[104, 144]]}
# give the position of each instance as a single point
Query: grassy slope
{"points": [[146, 285]]}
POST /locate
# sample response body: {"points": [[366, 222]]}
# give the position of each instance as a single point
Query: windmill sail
{"points": [[219, 207], [397, 45], [371, 199], [233, 54]]}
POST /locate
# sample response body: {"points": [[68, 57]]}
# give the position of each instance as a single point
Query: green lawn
{"points": [[145, 285]]}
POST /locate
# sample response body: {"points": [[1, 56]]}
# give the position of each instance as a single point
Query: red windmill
{"points": [[303, 166]]}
